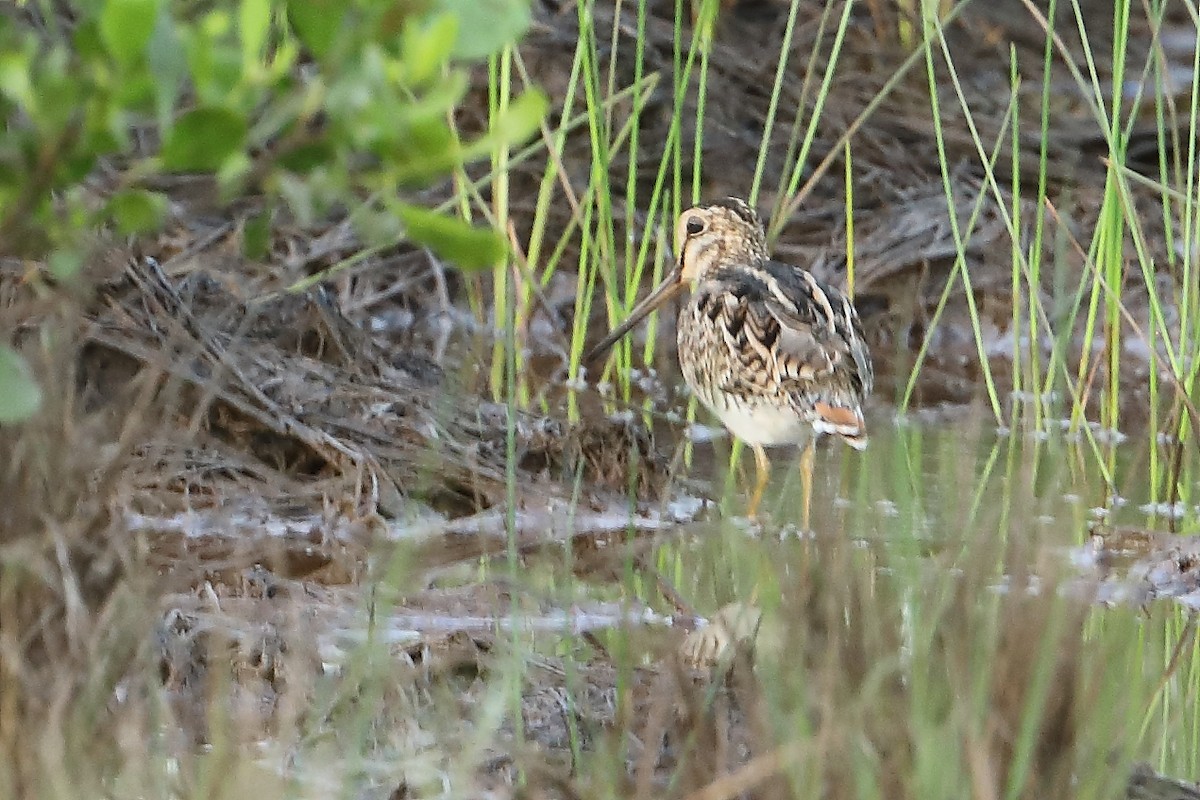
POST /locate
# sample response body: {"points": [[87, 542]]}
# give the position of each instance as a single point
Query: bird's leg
{"points": [[763, 476], [806, 476]]}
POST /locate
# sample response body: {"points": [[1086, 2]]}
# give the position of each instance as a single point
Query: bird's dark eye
{"points": [[694, 225]]}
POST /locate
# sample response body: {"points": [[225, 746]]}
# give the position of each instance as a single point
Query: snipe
{"points": [[777, 355]]}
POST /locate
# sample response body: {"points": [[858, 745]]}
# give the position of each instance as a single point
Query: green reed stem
{"points": [[793, 182], [1017, 320], [796, 196], [849, 181], [785, 51], [631, 174], [499, 92], [633, 272], [960, 245], [1039, 384]]}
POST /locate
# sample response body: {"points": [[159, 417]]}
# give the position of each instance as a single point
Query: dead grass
{"points": [[69, 605]]}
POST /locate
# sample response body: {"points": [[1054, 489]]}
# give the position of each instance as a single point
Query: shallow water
{"points": [[921, 553], [934, 484], [927, 486]]}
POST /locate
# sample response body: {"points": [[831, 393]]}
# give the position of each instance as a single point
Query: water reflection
{"points": [[938, 485]]}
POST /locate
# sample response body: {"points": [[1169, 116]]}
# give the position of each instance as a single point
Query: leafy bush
{"points": [[322, 106]]}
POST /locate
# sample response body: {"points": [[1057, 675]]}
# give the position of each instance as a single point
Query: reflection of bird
{"points": [[776, 354]]}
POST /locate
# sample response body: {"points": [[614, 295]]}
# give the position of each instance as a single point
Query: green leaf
{"points": [[137, 211], [428, 45], [74, 167], [256, 236], [254, 22], [486, 26], [15, 78], [125, 28], [65, 264], [452, 238], [377, 228], [214, 61], [135, 92], [518, 122], [308, 156], [20, 397], [231, 177], [59, 94], [427, 142], [316, 23], [202, 139], [167, 58], [298, 194], [521, 119]]}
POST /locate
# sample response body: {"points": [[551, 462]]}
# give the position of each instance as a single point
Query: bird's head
{"points": [[726, 232], [706, 237]]}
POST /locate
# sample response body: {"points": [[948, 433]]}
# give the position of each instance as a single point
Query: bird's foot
{"points": [[733, 627]]}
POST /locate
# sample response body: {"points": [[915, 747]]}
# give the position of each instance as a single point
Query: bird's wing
{"points": [[781, 318], [819, 327], [785, 329]]}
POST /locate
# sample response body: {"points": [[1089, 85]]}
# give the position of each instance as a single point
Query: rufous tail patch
{"points": [[845, 422], [839, 416]]}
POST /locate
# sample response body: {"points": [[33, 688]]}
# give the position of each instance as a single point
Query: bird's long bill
{"points": [[665, 291]]}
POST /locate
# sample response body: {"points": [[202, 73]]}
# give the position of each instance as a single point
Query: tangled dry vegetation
{"points": [[222, 471], [231, 457]]}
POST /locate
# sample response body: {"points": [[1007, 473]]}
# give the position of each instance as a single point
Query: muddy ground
{"points": [[289, 449]]}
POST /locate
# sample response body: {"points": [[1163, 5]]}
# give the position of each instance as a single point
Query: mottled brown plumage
{"points": [[774, 353]]}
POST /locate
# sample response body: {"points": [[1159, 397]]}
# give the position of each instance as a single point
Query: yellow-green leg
{"points": [[806, 476], [763, 477]]}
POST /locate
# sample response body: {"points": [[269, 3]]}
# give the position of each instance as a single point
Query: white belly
{"points": [[763, 423]]}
